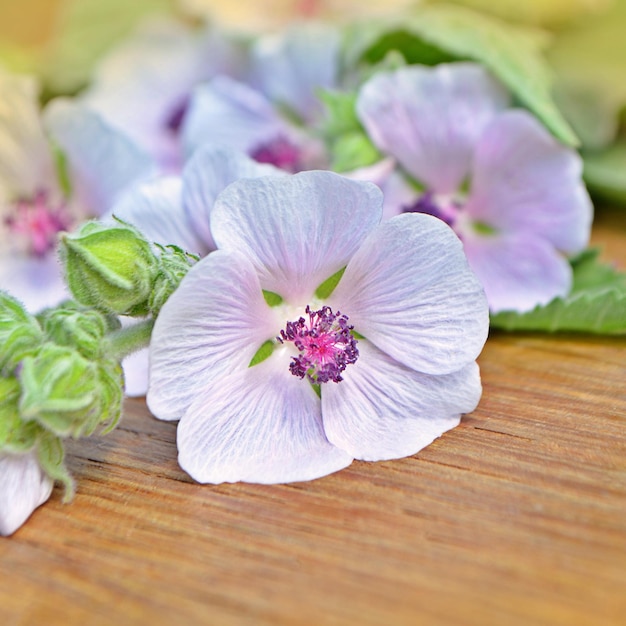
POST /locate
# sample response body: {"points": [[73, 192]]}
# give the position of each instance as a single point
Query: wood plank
{"points": [[515, 517]]}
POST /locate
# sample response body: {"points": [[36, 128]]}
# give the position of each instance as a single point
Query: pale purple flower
{"points": [[177, 210], [23, 487], [34, 202], [404, 379], [271, 116], [510, 191], [143, 86]]}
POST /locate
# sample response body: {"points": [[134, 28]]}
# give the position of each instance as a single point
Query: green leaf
{"points": [[597, 303], [589, 60], [590, 273], [264, 352], [352, 151], [605, 172], [602, 312], [272, 299], [328, 286], [512, 53]]}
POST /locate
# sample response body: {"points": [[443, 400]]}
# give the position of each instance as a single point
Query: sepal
{"points": [[20, 334], [111, 268]]}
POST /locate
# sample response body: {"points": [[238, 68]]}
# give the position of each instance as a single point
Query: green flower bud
{"points": [[110, 267], [20, 334], [60, 390], [15, 435], [75, 328], [173, 265]]}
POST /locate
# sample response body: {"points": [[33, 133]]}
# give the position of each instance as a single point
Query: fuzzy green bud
{"points": [[59, 390], [20, 334], [110, 267], [75, 328], [174, 263]]}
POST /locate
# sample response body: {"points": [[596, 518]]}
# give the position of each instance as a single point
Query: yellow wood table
{"points": [[518, 516]]}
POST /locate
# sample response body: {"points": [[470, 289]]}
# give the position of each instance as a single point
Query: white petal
{"points": [[297, 230], [518, 271], [141, 85], [214, 322], [230, 114], [207, 174], [25, 160], [136, 370], [383, 410], [259, 425], [525, 181], [23, 487], [103, 162], [431, 118], [36, 282], [409, 290], [292, 67], [156, 209]]}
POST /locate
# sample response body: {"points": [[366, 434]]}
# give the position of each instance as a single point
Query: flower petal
{"points": [[230, 114], [259, 425], [143, 85], [518, 271], [156, 209], [136, 370], [297, 230], [214, 322], [525, 181], [383, 410], [36, 282], [25, 161], [23, 487], [431, 118], [207, 174], [103, 162], [409, 290], [292, 67]]}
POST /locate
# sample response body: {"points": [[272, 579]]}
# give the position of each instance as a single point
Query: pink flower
{"points": [[510, 191], [375, 368]]}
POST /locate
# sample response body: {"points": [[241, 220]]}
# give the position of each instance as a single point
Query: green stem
{"points": [[125, 341]]}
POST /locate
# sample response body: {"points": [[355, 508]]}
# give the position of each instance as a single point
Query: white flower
{"points": [[419, 319]]}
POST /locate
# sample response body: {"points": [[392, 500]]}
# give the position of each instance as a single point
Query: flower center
{"points": [[325, 343], [446, 208], [279, 152], [175, 120], [35, 223]]}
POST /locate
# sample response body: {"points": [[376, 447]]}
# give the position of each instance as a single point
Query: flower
{"points": [[23, 487], [271, 116], [142, 87], [177, 210], [510, 191], [41, 193], [390, 350]]}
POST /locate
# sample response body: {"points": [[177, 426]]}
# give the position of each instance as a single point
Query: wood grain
{"points": [[518, 516]]}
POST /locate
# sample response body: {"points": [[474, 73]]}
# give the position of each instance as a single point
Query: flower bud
{"points": [[71, 327], [110, 267], [15, 435], [20, 334], [60, 390], [174, 263]]}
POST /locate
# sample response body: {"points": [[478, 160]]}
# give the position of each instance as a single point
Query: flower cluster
{"points": [[292, 318]]}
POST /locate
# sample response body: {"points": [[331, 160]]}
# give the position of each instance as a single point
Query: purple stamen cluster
{"points": [[279, 152], [38, 222], [428, 204], [325, 342]]}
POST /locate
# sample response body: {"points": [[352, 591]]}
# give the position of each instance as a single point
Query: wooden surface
{"points": [[518, 516]]}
